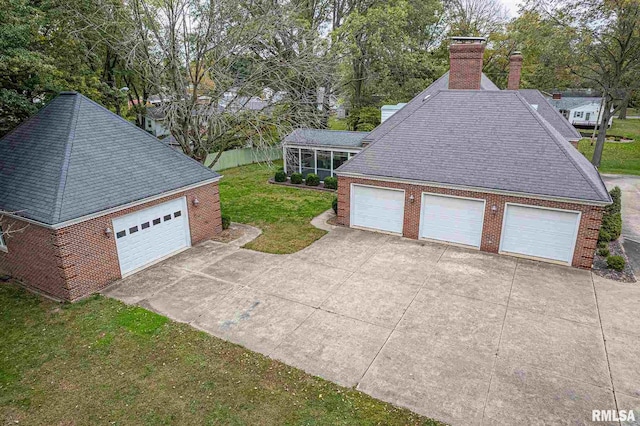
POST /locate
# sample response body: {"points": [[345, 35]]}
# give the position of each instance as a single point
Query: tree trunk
{"points": [[623, 106], [602, 132]]}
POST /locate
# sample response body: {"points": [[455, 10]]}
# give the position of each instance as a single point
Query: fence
{"points": [[242, 156]]}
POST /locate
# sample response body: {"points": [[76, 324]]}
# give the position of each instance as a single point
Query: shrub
{"points": [[334, 205], [226, 221], [331, 182], [280, 176], [603, 251], [616, 262], [296, 178], [603, 235], [312, 180], [612, 217], [603, 244]]}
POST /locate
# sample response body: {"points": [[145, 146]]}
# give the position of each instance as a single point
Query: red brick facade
{"points": [[515, 69], [587, 234], [79, 260]]}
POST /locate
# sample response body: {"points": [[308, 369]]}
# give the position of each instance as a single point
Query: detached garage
{"points": [[540, 232], [100, 200]]}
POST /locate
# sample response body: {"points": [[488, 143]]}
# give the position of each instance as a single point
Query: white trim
{"points": [[404, 206], [328, 148], [113, 209], [284, 156], [484, 210], [475, 189], [545, 259], [3, 243]]}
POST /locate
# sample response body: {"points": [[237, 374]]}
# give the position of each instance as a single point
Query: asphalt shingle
{"points": [[75, 158], [550, 114], [480, 139], [328, 138]]}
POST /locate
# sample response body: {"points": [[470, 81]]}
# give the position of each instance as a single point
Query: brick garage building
{"points": [[475, 166], [95, 198]]}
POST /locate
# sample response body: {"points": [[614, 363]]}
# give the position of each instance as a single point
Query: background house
{"points": [[98, 199], [580, 111]]}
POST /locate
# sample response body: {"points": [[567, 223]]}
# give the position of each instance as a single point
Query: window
{"points": [[133, 230], [167, 217], [324, 164], [587, 116], [121, 234], [3, 245], [156, 221], [293, 160], [339, 158], [577, 114], [145, 225], [177, 214], [308, 160]]}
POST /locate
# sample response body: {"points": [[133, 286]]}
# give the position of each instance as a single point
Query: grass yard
{"points": [[337, 123], [102, 362], [283, 214], [622, 158]]}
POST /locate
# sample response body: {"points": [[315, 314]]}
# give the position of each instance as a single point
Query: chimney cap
{"points": [[468, 39], [516, 53]]}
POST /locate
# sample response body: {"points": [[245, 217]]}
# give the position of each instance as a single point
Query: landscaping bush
{"points": [[280, 176], [612, 218], [603, 251], [312, 180], [226, 221], [331, 182], [616, 262], [334, 205], [603, 244], [296, 178]]}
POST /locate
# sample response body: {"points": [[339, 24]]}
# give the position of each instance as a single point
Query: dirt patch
{"points": [[333, 221], [600, 265], [230, 234]]}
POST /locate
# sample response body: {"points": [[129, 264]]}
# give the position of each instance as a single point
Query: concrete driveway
{"points": [[454, 334]]}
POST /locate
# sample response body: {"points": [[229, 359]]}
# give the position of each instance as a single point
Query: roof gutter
{"points": [[475, 189], [101, 213]]}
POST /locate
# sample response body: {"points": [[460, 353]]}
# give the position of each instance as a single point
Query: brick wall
{"points": [[515, 70], [80, 259], [465, 65], [587, 234]]}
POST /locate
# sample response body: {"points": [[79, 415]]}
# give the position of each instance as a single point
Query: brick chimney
{"points": [[465, 62], [557, 95], [515, 69]]}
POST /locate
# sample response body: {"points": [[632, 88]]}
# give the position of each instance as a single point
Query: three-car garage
{"points": [[525, 230]]}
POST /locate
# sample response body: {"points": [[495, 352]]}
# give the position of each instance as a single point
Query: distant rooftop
{"points": [[329, 138]]}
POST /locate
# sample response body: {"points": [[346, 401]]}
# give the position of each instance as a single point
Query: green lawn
{"points": [[102, 362], [284, 214], [617, 157], [337, 123]]}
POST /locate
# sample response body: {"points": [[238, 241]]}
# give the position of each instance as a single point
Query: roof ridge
{"points": [[64, 169], [545, 125], [150, 136]]}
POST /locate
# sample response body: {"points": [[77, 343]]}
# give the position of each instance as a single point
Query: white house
{"points": [[580, 111], [387, 111], [154, 122]]}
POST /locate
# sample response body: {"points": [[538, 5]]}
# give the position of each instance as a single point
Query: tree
{"points": [[214, 61], [606, 50], [475, 18]]}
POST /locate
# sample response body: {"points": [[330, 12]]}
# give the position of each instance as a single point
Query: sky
{"points": [[512, 6]]}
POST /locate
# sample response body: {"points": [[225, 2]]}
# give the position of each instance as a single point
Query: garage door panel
{"points": [[537, 232], [452, 219], [166, 231], [377, 208]]}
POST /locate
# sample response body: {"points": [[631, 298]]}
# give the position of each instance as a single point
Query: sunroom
{"points": [[319, 151]]}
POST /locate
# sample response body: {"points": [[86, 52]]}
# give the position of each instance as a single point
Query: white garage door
{"points": [[537, 232], [377, 208], [150, 234], [452, 219]]}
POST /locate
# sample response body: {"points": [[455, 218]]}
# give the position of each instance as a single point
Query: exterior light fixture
{"points": [[108, 232], [196, 202], [494, 208], [412, 198]]}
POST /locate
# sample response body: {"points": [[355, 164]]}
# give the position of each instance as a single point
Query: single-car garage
{"points": [[377, 208], [151, 234], [452, 219], [539, 232]]}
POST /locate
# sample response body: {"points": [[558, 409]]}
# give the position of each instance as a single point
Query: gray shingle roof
{"points": [[440, 84], [570, 103], [75, 158], [329, 138], [549, 113], [481, 139]]}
